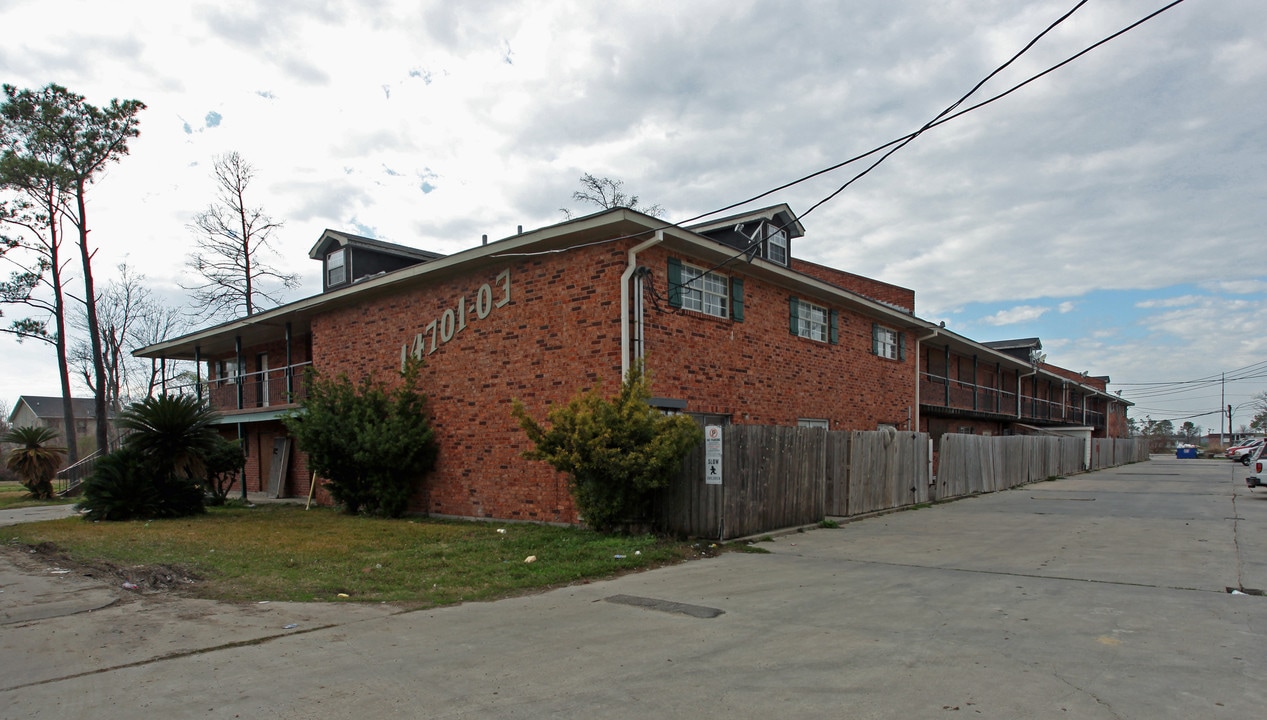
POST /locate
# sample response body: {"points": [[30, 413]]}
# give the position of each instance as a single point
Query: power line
{"points": [[943, 117], [947, 118]]}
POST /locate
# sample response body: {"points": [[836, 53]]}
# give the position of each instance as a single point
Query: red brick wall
{"points": [[560, 333], [758, 372], [864, 286], [1075, 376], [258, 440]]}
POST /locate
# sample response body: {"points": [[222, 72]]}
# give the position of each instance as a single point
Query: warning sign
{"points": [[712, 454]]}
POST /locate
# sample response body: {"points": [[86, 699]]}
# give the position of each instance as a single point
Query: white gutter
{"points": [[918, 342], [1019, 378], [932, 480], [625, 360]]}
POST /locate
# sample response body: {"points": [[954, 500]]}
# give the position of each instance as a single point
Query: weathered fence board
{"points": [[777, 477]]}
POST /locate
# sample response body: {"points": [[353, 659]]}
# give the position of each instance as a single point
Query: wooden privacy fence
{"points": [[776, 477], [1107, 452], [970, 464]]}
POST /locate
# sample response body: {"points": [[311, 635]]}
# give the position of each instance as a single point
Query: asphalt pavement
{"points": [[1126, 593]]}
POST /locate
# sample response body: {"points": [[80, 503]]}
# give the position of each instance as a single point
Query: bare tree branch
{"points": [[232, 237], [608, 193]]}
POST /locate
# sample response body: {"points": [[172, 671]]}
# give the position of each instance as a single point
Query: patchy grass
{"points": [[282, 552], [15, 495]]}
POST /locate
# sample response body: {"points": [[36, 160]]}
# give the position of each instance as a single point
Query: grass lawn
{"points": [[282, 552], [15, 495]]}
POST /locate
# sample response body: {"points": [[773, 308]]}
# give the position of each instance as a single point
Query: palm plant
{"points": [[176, 432], [35, 460], [160, 470]]}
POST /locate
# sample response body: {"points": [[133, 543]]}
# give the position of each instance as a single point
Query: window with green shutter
{"points": [[811, 321], [693, 288]]}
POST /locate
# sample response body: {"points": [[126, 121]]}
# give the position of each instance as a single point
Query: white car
{"points": [[1257, 468], [1243, 452]]}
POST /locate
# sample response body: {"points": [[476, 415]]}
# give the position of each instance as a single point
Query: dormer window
{"points": [[776, 246], [336, 268]]}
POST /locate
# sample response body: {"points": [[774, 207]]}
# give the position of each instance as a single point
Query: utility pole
{"points": [[1222, 401]]}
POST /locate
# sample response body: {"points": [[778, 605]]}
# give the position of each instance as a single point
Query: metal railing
{"points": [[275, 387], [942, 391], [68, 479]]}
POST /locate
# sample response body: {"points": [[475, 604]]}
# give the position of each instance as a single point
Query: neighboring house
{"points": [[47, 412], [731, 326]]}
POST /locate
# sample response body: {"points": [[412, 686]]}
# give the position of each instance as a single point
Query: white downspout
{"points": [[1019, 378], [918, 355], [625, 360], [932, 481]]}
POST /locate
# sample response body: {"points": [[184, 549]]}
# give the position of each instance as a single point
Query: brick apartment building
{"points": [[731, 327]]}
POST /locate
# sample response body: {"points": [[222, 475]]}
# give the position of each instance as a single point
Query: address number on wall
{"points": [[455, 319]]}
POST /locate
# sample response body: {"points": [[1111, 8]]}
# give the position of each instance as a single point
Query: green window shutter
{"points": [[736, 299], [794, 314], [901, 347], [875, 337], [834, 320], [675, 282]]}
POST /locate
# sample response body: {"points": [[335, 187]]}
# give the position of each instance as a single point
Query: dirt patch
{"points": [[143, 578]]}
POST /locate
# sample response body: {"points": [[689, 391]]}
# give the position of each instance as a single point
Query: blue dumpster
{"points": [[1186, 453]]}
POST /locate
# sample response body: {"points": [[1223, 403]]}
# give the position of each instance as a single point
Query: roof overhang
{"points": [[780, 215], [617, 224]]}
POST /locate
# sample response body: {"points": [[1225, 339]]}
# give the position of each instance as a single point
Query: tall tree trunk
{"points": [[246, 246], [59, 323], [90, 300]]}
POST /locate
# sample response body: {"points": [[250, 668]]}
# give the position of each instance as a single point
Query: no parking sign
{"points": [[712, 455]]}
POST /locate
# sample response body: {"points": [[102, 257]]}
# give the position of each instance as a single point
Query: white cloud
{"points": [[1138, 166], [1018, 314], [1182, 301]]}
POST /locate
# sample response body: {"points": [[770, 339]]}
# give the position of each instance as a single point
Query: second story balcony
{"points": [[273, 389], [950, 396]]}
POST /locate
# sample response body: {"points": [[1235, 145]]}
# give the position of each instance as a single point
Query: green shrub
{"points": [[35, 459], [371, 444], [176, 431], [616, 452], [225, 463], [160, 470], [129, 484]]}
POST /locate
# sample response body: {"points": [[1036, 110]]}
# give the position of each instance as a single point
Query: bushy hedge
{"points": [[372, 444], [162, 467], [616, 452], [127, 484]]}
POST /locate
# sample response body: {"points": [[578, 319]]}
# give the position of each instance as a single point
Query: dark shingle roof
{"points": [[50, 408]]}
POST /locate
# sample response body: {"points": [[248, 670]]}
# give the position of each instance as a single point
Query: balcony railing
{"points": [[941, 391], [273, 388]]}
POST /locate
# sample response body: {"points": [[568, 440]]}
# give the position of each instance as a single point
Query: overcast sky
{"points": [[1114, 208]]}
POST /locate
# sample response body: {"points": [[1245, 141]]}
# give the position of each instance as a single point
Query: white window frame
{"points": [[813, 423], [228, 372], [776, 246], [886, 343], [341, 255], [812, 321], [705, 292]]}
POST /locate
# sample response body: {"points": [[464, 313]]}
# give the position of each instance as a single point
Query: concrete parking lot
{"points": [[1105, 595]]}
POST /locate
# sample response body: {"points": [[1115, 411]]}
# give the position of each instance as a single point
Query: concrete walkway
{"points": [[1100, 596]]}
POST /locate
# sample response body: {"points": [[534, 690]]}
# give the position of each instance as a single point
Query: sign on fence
{"points": [[712, 455]]}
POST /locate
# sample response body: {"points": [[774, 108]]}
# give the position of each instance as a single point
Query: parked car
{"points": [[1257, 468], [1243, 451]]}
